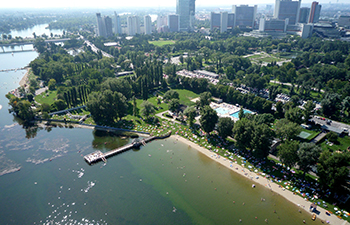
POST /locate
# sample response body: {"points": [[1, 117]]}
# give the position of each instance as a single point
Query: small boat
{"points": [[313, 216]]}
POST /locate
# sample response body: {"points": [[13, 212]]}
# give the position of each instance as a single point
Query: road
{"points": [[94, 48]]}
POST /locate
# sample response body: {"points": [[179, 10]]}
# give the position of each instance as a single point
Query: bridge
{"points": [[99, 156], [7, 70]]}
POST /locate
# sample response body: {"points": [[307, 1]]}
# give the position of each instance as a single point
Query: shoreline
{"points": [[263, 181], [24, 79]]}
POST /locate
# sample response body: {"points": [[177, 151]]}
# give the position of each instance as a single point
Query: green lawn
{"points": [[344, 143], [48, 97], [161, 43]]}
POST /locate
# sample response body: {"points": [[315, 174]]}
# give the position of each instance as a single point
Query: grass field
{"points": [[344, 143], [48, 97], [161, 43]]}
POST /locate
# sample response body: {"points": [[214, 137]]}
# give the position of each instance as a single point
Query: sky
{"points": [[134, 3]]}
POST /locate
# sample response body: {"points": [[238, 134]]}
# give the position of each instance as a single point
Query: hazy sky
{"points": [[133, 3]]}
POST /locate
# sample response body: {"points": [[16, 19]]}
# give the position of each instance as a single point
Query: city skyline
{"points": [[140, 4]]}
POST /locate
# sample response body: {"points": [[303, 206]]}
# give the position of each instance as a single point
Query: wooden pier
{"points": [[99, 156]]}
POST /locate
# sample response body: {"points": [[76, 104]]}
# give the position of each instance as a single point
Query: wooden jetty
{"points": [[99, 156]]}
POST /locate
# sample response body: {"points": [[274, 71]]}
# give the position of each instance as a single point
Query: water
{"points": [[237, 113], [38, 29], [163, 183], [222, 111]]}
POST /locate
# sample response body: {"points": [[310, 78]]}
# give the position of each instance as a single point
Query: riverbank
{"points": [[24, 79], [263, 181]]}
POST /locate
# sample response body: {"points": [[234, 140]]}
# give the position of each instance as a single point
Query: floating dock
{"points": [[100, 156]]}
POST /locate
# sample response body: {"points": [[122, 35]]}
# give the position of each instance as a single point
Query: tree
{"points": [[241, 113], [332, 137], [52, 84], [332, 169], [204, 99], [25, 111], [147, 109], [286, 130], [225, 126], [174, 105], [243, 132], [261, 140], [287, 152], [308, 110], [30, 97], [208, 118], [294, 115], [279, 110], [171, 94], [308, 154], [190, 112], [330, 104], [59, 104]]}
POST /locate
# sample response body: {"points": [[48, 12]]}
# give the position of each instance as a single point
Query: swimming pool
{"points": [[222, 111], [235, 115]]}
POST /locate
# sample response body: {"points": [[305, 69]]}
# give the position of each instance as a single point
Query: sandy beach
{"points": [[24, 79], [263, 182]]}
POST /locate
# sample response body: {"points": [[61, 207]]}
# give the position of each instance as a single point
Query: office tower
{"points": [[244, 15], [314, 12], [186, 11], [107, 21], [101, 28], [173, 23], [148, 24], [287, 9], [215, 20], [223, 21], [117, 25], [230, 20], [304, 15], [273, 25], [133, 24], [161, 21]]}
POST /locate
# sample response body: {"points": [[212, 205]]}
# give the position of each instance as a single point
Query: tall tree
{"points": [[332, 168], [208, 118], [308, 154], [147, 109], [225, 126], [190, 112], [287, 153], [286, 130]]}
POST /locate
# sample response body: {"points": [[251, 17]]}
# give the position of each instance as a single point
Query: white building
{"points": [[148, 24]]}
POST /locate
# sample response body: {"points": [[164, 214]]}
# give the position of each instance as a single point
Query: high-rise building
{"points": [[186, 11], [223, 22], [101, 28], [173, 23], [230, 20], [117, 25], [161, 21], [344, 21], [273, 25], [304, 15], [314, 12], [104, 26], [244, 15], [148, 24], [133, 24], [215, 20], [287, 9], [108, 24]]}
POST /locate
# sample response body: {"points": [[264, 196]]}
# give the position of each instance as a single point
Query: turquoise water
{"points": [[235, 115], [221, 110]]}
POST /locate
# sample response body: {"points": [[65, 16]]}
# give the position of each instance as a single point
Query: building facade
{"points": [[186, 11], [148, 24], [101, 29], [133, 25], [314, 12], [287, 9], [304, 15], [173, 23], [117, 24], [244, 15], [223, 22]]}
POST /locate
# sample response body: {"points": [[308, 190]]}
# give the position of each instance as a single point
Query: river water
{"points": [[164, 182]]}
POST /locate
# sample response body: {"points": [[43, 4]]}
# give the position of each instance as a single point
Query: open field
{"points": [[48, 97], [161, 43]]}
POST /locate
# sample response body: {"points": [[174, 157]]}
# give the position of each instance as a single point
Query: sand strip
{"points": [[297, 200], [24, 79]]}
